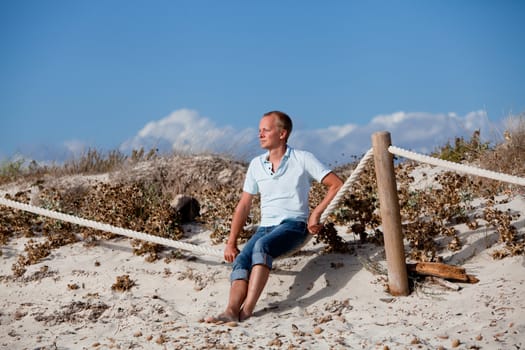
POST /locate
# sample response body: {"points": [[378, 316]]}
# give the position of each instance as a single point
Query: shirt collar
{"points": [[285, 156]]}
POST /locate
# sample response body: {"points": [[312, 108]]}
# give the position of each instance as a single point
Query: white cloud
{"points": [[48, 153], [390, 119], [418, 131], [75, 147], [186, 131]]}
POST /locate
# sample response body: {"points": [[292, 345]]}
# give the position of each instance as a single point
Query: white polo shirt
{"points": [[284, 193]]}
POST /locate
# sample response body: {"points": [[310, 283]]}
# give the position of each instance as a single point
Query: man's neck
{"points": [[276, 154]]}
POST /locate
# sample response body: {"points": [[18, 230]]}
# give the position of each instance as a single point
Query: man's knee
{"points": [[261, 246], [239, 274], [262, 258]]}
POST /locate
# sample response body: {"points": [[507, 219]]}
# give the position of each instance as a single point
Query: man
{"points": [[283, 177]]}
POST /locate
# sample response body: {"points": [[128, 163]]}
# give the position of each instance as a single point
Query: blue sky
{"points": [[197, 75]]}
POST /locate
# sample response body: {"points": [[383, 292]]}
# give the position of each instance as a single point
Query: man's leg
{"points": [[238, 291], [280, 240], [239, 284], [258, 278]]}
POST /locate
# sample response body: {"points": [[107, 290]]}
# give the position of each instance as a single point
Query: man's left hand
{"points": [[315, 229]]}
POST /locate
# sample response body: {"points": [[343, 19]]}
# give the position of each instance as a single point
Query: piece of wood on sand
{"points": [[449, 272], [443, 282]]}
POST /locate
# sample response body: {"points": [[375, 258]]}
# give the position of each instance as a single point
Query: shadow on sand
{"points": [[323, 276]]}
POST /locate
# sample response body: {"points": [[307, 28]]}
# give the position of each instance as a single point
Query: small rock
{"points": [[415, 341], [161, 339], [187, 207], [276, 342]]}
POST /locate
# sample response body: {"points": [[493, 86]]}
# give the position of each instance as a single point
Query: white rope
{"points": [[457, 167], [346, 186], [109, 228]]}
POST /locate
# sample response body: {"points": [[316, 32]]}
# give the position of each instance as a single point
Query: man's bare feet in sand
{"points": [[222, 318], [243, 315]]}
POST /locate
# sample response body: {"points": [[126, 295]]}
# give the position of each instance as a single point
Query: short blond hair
{"points": [[283, 121]]}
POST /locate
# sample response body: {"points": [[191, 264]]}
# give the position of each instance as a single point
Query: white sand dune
{"points": [[312, 301]]}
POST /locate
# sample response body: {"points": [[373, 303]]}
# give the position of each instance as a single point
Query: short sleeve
{"points": [[250, 184], [314, 167]]}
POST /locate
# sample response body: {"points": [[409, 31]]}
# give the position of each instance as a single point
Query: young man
{"points": [[283, 177]]}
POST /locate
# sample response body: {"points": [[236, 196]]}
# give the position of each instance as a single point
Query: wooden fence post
{"points": [[390, 215]]}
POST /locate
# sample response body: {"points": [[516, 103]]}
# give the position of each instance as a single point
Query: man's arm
{"points": [[240, 215], [334, 183]]}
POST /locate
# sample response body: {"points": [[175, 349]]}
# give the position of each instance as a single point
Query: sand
{"points": [[312, 300]]}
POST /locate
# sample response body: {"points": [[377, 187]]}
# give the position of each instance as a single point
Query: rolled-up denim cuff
{"points": [[239, 274], [262, 259]]}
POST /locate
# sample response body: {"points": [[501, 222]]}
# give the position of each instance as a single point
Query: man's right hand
{"points": [[230, 252]]}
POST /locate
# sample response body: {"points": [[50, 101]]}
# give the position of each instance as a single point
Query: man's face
{"points": [[270, 135]]}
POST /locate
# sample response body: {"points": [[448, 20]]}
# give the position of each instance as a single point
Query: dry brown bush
{"points": [[509, 156]]}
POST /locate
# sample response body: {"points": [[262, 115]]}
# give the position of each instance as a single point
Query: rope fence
{"points": [[110, 228], [457, 166], [218, 253], [347, 185]]}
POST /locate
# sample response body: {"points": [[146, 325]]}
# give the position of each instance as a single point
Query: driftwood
{"points": [[443, 282], [449, 272]]}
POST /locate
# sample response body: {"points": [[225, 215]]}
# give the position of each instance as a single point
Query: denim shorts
{"points": [[267, 244]]}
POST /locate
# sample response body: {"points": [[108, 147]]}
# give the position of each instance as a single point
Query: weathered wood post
{"points": [[390, 215]]}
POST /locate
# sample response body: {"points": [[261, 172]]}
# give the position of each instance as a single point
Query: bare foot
{"points": [[221, 318], [243, 315]]}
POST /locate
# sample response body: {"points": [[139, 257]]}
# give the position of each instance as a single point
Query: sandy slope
{"points": [[312, 301]]}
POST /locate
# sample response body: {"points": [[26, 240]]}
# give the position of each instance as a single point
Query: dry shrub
{"points": [[216, 182], [509, 156], [333, 242], [463, 150], [95, 161], [16, 223], [139, 206], [357, 209], [431, 212], [74, 312], [11, 170], [36, 251], [514, 244], [123, 284], [218, 205]]}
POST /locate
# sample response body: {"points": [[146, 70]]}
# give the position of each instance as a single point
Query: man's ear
{"points": [[283, 134]]}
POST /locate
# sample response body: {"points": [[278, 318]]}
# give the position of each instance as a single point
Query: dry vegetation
{"points": [[139, 188]]}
